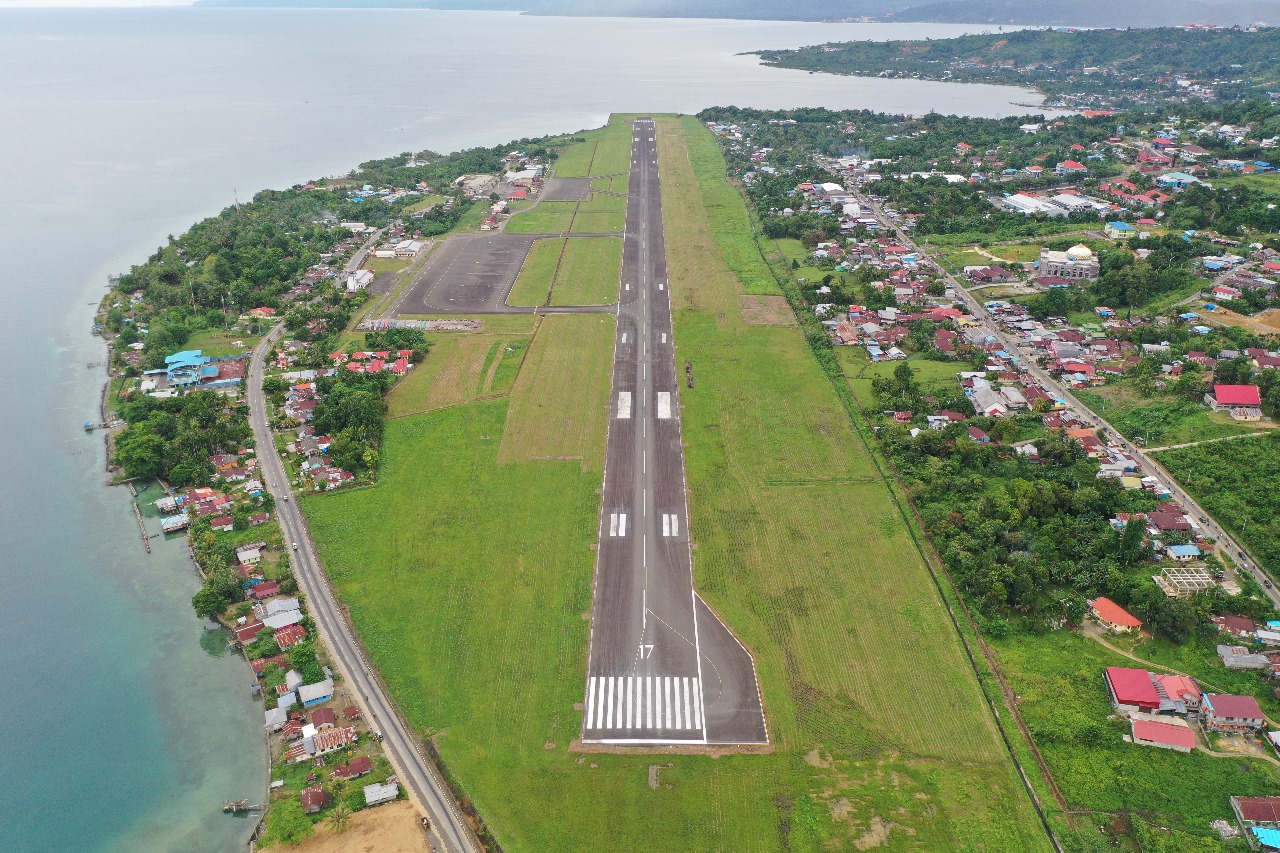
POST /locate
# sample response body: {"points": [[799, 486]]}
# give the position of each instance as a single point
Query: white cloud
{"points": [[62, 4]]}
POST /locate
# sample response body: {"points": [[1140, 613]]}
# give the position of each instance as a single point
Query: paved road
{"points": [[1147, 465], [662, 669], [348, 658]]}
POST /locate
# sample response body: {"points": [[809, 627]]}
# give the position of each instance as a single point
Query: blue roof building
{"points": [[186, 367]]}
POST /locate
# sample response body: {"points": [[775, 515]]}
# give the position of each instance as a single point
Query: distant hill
{"points": [[1081, 13], [1087, 68], [777, 10], [1095, 13]]}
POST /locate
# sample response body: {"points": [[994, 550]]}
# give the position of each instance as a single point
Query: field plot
{"points": [[460, 367], [603, 201], [589, 270], [599, 222], [575, 160], [560, 401], [1063, 699], [841, 614], [538, 273], [613, 155], [1160, 421], [549, 217]]}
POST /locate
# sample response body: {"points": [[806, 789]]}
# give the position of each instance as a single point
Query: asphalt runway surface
{"points": [[662, 668], [469, 273], [566, 189]]}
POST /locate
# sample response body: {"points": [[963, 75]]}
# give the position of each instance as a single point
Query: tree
{"points": [[140, 453], [208, 603], [340, 815]]}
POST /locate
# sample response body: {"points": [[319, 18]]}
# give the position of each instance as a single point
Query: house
{"points": [[275, 718], [1119, 230], [1244, 402], [1236, 626], [1178, 693], [1168, 733], [314, 694], [249, 555], [323, 718], [1182, 553], [290, 636], [355, 768], [1131, 690], [246, 633], [1176, 180], [375, 795], [1238, 658], [979, 436], [1113, 617], [315, 799], [222, 524], [1224, 712], [283, 619], [1071, 167], [1257, 811], [264, 590]]}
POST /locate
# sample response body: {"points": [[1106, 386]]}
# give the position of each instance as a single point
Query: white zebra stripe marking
{"points": [[664, 404], [624, 404], [633, 703]]}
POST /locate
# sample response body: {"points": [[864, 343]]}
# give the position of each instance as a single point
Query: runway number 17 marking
{"points": [[646, 649]]}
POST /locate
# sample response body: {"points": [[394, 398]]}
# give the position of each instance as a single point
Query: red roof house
{"points": [[1225, 396], [264, 590], [1166, 735], [1264, 811], [1224, 712], [1114, 617], [1131, 690], [1237, 626], [314, 799], [324, 717], [354, 768], [246, 633], [290, 635]]}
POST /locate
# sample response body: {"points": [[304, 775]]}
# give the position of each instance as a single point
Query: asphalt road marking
{"points": [[664, 337], [662, 285], [643, 702], [664, 404], [624, 404], [670, 524], [624, 337], [617, 524]]}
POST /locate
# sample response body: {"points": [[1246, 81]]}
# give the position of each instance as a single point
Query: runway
{"points": [[662, 668]]}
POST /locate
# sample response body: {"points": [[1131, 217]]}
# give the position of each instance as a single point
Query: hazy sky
{"points": [[28, 4]]}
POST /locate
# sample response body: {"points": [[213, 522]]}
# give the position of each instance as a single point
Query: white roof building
{"points": [[378, 794]]}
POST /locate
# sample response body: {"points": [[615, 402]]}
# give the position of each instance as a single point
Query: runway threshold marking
{"points": [[664, 405], [638, 702], [670, 524], [624, 404], [617, 524]]}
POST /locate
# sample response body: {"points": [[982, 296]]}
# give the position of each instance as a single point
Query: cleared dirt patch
{"points": [[767, 311], [393, 828]]}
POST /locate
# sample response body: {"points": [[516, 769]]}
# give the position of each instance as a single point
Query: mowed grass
{"points": [[730, 220], [581, 271], [801, 549], [458, 369], [575, 160], [589, 272], [537, 274], [549, 217], [560, 400], [1160, 421], [601, 201], [599, 222]]}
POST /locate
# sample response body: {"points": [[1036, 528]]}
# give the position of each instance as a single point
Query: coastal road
{"points": [[349, 659], [1147, 465], [662, 668]]}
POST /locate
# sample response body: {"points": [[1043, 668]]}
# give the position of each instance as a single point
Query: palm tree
{"points": [[340, 815]]}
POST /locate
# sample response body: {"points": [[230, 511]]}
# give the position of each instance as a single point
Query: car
{"points": [[1267, 584], [286, 496], [295, 546], [1241, 553]]}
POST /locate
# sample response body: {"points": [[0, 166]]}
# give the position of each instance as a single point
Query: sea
{"points": [[125, 722]]}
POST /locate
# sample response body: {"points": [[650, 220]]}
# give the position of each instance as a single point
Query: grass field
{"points": [[600, 201], [384, 265], [842, 616], [600, 222], [537, 274], [468, 571], [549, 217], [589, 271], [569, 272], [220, 342], [1059, 679], [575, 160], [560, 401], [425, 203], [460, 368], [1159, 421]]}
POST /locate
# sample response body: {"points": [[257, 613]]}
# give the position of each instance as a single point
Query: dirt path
{"points": [[393, 828], [1206, 441]]}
